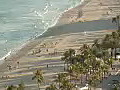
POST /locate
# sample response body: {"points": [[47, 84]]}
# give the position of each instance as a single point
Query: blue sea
{"points": [[22, 20]]}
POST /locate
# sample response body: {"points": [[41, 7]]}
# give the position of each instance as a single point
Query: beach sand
{"points": [[48, 49], [90, 10], [48, 52]]}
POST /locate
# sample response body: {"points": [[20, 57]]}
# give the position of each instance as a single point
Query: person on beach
{"points": [[107, 13], [56, 43], [44, 45], [79, 13], [114, 20], [39, 51], [5, 58], [55, 52], [47, 65], [33, 52], [46, 50], [9, 67], [100, 4], [18, 63]]}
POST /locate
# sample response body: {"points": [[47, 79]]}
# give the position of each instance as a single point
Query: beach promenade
{"points": [[96, 25]]}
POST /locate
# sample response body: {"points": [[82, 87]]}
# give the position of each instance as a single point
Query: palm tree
{"points": [[115, 42], [64, 82], [94, 80], [71, 54], [68, 57], [79, 58], [51, 87], [106, 43], [104, 68], [99, 51], [118, 18], [110, 62], [78, 70], [11, 87], [65, 59], [118, 32], [112, 41], [85, 49], [60, 78], [66, 85], [21, 86], [39, 77]]}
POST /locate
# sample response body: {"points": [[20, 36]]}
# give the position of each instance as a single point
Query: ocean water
{"points": [[22, 20]]}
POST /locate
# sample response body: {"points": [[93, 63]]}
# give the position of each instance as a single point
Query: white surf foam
{"points": [[48, 25], [7, 55], [57, 18]]}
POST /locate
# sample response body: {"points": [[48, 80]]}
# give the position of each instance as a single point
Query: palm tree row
{"points": [[93, 61], [112, 41], [21, 86], [62, 82], [39, 77], [89, 66]]}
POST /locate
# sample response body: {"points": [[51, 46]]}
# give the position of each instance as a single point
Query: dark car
{"points": [[114, 85]]}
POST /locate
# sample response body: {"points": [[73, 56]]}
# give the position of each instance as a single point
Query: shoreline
{"points": [[12, 60], [41, 51], [82, 4], [11, 54], [32, 43], [29, 63]]}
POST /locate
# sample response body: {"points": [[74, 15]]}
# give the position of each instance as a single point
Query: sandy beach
{"points": [[90, 10], [55, 45], [93, 24]]}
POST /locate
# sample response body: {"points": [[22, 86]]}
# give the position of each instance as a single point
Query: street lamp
{"points": [[70, 71], [85, 36], [118, 17]]}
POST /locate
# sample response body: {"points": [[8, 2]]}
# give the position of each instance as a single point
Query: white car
{"points": [[84, 88]]}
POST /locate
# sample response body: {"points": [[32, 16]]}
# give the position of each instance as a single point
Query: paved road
{"points": [[106, 82], [80, 27]]}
